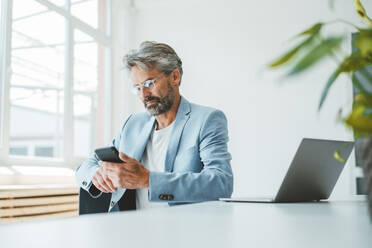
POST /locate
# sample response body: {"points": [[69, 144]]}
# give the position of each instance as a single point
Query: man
{"points": [[176, 152]]}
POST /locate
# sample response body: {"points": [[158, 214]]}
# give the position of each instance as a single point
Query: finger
{"points": [[110, 184], [102, 163], [99, 179], [108, 164], [103, 184], [112, 166], [120, 180], [98, 185], [124, 157], [122, 168], [113, 175]]}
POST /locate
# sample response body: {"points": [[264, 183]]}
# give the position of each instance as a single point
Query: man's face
{"points": [[159, 97]]}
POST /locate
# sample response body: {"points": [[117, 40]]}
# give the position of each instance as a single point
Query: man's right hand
{"points": [[102, 181]]}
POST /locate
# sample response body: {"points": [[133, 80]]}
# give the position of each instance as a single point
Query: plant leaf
{"points": [[328, 85], [316, 54], [353, 62], [360, 119], [313, 30], [338, 157], [285, 58], [362, 12], [363, 42], [363, 99], [359, 122], [290, 54]]}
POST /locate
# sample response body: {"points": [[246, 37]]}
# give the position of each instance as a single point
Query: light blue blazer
{"points": [[197, 165]]}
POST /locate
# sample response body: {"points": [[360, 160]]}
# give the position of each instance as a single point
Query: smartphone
{"points": [[108, 154]]}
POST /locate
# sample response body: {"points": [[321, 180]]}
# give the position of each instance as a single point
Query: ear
{"points": [[176, 77]]}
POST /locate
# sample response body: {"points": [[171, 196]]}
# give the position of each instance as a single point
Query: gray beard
{"points": [[163, 104]]}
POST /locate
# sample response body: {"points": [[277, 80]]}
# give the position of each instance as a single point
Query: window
{"points": [[3, 7], [85, 92], [47, 151], [37, 82], [59, 52], [18, 150]]}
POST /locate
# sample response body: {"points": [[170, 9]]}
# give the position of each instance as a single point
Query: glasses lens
{"points": [[149, 83]]}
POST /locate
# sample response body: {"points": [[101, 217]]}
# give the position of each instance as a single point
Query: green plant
{"points": [[315, 46]]}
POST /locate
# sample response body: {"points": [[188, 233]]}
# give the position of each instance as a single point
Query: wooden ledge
{"points": [[38, 201]]}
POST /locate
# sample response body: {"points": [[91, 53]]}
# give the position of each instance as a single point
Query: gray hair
{"points": [[152, 55]]}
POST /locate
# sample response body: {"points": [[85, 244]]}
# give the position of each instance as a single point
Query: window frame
{"points": [[5, 46], [71, 23], [2, 41]]}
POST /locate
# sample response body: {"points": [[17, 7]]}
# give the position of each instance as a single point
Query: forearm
{"points": [[215, 180], [85, 172], [208, 185]]}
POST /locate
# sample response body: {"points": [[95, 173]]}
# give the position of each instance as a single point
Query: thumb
{"points": [[124, 157]]}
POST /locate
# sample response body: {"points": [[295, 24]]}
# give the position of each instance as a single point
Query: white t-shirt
{"points": [[153, 159]]}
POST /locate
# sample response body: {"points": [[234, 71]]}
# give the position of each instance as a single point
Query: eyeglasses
{"points": [[149, 84]]}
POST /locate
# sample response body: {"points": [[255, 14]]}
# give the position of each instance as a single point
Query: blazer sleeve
{"points": [[85, 172], [215, 179]]}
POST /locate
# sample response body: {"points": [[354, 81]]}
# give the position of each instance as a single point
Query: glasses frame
{"points": [[149, 84]]}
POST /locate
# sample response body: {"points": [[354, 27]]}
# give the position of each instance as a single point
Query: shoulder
{"points": [[206, 118], [212, 122], [137, 121], [140, 117], [205, 112]]}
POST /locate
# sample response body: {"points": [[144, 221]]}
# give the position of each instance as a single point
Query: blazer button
{"points": [[161, 197], [170, 197], [84, 183], [112, 203]]}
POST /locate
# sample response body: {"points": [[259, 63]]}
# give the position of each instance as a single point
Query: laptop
{"points": [[312, 174]]}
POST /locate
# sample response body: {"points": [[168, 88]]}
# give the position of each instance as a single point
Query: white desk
{"points": [[212, 224]]}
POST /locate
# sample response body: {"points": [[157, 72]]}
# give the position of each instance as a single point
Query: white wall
{"points": [[224, 45]]}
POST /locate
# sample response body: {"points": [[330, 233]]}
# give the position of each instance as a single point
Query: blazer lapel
{"points": [[137, 154], [143, 139], [174, 140]]}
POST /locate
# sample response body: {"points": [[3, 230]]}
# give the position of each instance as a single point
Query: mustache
{"points": [[151, 98]]}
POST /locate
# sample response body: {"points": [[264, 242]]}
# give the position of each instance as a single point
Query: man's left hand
{"points": [[130, 174]]}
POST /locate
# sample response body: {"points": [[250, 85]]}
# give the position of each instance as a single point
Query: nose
{"points": [[145, 92]]}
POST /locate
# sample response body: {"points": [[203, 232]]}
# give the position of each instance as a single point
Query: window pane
{"points": [[60, 3], [36, 94], [25, 9], [86, 10], [20, 151], [47, 151], [81, 37], [85, 94]]}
